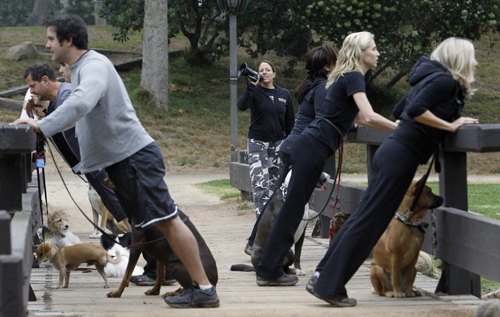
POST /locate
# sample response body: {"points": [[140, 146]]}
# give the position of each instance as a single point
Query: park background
{"points": [[192, 124]]}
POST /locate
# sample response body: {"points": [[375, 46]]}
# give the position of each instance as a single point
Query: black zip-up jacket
{"points": [[433, 89], [272, 115], [313, 100]]}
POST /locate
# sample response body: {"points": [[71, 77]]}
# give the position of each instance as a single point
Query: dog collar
{"points": [[284, 190], [421, 224]]}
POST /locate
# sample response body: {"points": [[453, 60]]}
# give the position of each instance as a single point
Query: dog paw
{"points": [[300, 272], [114, 294], [413, 293], [152, 292], [389, 294], [399, 295]]}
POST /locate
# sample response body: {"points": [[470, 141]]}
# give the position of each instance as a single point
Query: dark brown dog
{"points": [[164, 255], [396, 253], [338, 221]]}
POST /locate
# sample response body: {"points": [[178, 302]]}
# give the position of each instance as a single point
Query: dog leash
{"points": [[337, 176], [131, 246], [421, 188], [332, 229]]}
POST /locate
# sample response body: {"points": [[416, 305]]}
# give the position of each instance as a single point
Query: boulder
{"points": [[490, 308], [424, 263], [26, 50]]}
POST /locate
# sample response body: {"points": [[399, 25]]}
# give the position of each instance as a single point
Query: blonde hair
{"points": [[458, 56], [350, 55]]}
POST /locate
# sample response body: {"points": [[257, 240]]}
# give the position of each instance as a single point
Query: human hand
{"points": [[31, 122], [462, 121]]}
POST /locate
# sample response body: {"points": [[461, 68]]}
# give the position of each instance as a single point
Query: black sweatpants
{"points": [[308, 159], [394, 166]]}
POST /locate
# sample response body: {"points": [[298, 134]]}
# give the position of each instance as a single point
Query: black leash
{"points": [[340, 149], [131, 246], [39, 160], [421, 188]]}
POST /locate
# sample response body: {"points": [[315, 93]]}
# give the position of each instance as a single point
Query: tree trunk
{"points": [[154, 77], [395, 80], [39, 14]]}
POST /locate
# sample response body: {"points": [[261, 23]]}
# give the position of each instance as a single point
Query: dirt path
{"points": [[225, 229]]}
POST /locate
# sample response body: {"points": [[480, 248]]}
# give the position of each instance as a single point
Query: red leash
{"points": [[332, 230]]}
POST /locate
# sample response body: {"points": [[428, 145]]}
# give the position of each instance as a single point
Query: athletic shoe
{"points": [[310, 284], [194, 297], [283, 280], [344, 302], [248, 249]]}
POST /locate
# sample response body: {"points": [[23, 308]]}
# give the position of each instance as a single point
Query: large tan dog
{"points": [[107, 219], [67, 259], [396, 253]]}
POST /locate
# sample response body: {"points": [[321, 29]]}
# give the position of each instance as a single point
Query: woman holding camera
{"points": [[310, 94], [431, 109], [345, 103], [272, 119]]}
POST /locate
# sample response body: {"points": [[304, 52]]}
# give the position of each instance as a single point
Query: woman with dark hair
{"points": [[431, 109], [345, 103], [272, 120], [310, 94]]}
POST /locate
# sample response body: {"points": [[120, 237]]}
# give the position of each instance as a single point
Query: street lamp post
{"points": [[233, 7]]}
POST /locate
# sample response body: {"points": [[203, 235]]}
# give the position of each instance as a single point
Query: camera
{"points": [[244, 70]]}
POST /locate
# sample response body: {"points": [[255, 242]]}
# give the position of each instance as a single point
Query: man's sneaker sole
{"points": [[276, 282], [346, 302], [199, 305]]}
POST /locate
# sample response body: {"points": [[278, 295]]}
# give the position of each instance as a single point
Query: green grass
{"points": [[221, 188]]}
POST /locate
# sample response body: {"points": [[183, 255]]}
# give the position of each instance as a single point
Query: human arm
{"points": [[399, 108], [246, 100], [289, 115], [29, 121], [369, 118], [91, 87], [428, 118]]}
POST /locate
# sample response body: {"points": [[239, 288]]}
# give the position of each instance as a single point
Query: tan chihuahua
{"points": [[67, 259]]}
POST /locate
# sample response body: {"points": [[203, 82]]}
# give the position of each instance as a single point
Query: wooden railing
{"points": [[466, 243], [20, 217]]}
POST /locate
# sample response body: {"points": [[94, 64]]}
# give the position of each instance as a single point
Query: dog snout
{"points": [[66, 226], [437, 201]]}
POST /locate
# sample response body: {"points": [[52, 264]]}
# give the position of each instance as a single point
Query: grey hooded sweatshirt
{"points": [[107, 126]]}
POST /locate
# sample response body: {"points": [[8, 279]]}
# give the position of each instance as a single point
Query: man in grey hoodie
{"points": [[111, 137]]}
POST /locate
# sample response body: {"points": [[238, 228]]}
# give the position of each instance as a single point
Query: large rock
{"points": [[490, 308], [26, 50]]}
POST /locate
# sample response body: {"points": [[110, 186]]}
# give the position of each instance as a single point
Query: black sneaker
{"points": [[310, 284], [143, 280], [340, 302], [248, 249], [194, 297], [283, 280]]}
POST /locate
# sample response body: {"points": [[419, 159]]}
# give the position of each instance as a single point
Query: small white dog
{"points": [[56, 232], [107, 219], [118, 269]]}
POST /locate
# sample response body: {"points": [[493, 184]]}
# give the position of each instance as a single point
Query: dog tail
{"points": [[241, 268], [115, 260]]}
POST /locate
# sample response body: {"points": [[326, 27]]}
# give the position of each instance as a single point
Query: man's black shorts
{"points": [[141, 189]]}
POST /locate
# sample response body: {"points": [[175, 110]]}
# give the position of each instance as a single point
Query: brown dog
{"points": [[67, 259], [396, 253], [164, 255]]}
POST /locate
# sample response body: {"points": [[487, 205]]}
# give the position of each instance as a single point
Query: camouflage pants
{"points": [[264, 170]]}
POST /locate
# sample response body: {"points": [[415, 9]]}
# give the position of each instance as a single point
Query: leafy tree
{"points": [[404, 30], [198, 20]]}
